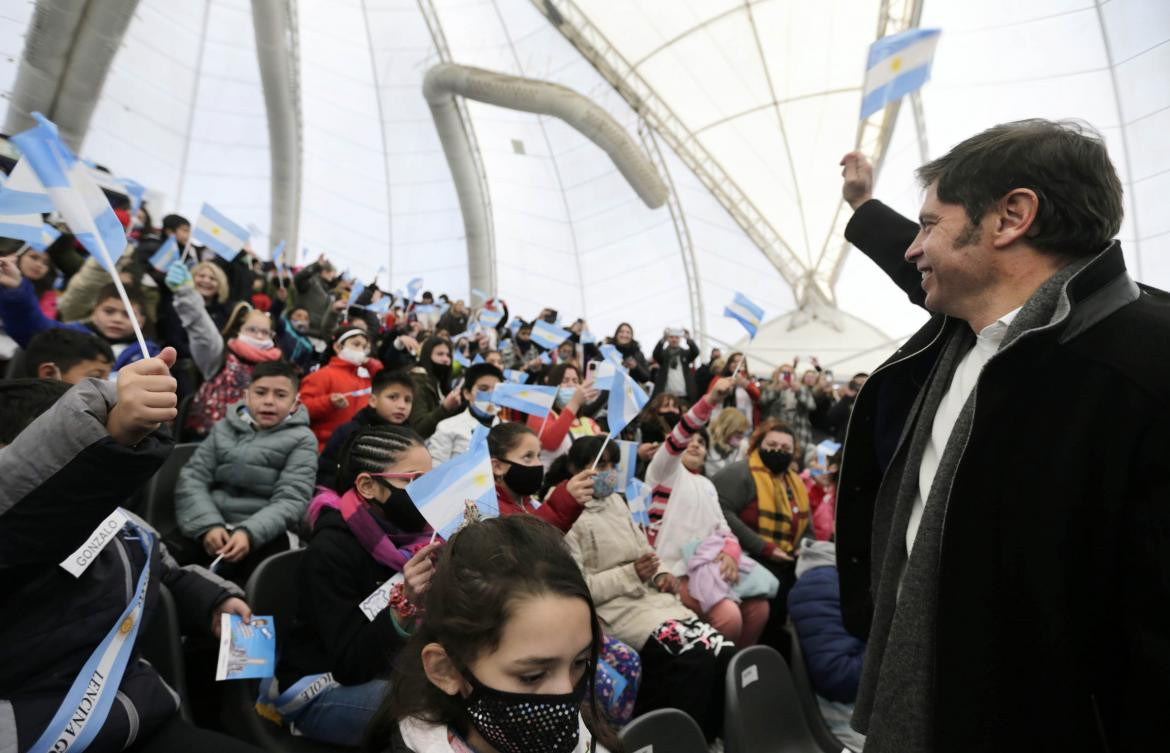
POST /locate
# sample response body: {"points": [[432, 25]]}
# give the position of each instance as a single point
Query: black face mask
{"points": [[670, 417], [525, 480], [525, 722], [776, 461], [400, 509], [652, 434]]}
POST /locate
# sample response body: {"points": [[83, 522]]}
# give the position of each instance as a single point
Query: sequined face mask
{"points": [[525, 722]]}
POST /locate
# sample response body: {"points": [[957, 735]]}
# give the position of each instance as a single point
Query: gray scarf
{"points": [[895, 697]]}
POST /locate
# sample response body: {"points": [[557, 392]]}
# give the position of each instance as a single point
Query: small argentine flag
{"points": [[638, 498], [214, 230], [897, 65], [414, 286], [461, 359], [167, 253], [626, 400], [746, 313], [48, 235], [627, 463], [548, 336], [530, 399], [462, 487], [490, 319], [136, 192], [515, 377]]}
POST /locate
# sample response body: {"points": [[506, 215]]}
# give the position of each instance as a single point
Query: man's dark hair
{"points": [[173, 222], [386, 377], [278, 368], [66, 348], [22, 400], [1064, 162], [110, 290]]}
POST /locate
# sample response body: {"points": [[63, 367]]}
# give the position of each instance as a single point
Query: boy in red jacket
{"points": [[338, 390]]}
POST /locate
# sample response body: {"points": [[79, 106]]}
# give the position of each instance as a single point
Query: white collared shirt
{"points": [[987, 342]]}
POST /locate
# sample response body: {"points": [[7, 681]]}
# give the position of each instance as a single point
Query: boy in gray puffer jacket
{"points": [[250, 481]]}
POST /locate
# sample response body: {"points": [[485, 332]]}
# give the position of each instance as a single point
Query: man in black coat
{"points": [[1003, 510]]}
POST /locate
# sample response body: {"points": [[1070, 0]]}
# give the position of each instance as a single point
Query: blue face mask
{"points": [[604, 483], [564, 394]]}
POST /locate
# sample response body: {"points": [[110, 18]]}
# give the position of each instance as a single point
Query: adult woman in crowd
{"points": [[690, 534], [360, 540], [766, 506], [728, 431], [790, 403], [632, 356], [746, 395]]}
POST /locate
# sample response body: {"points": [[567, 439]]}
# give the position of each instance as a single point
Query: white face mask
{"points": [[356, 356], [256, 342]]}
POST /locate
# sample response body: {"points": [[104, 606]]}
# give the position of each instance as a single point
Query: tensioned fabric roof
{"points": [[747, 106]]}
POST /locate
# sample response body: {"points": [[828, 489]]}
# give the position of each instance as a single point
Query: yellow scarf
{"points": [[783, 519]]}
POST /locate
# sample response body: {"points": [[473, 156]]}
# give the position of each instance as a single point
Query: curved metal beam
{"points": [[476, 172], [445, 81], [66, 59], [274, 26]]}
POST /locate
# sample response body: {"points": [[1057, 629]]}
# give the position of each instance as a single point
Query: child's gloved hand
{"points": [[178, 276]]}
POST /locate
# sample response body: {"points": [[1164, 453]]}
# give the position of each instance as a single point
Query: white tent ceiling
{"points": [[769, 90]]}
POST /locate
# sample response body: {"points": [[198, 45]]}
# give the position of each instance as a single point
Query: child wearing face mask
{"points": [[683, 658], [337, 391], [226, 361], [340, 648], [565, 422], [453, 435], [505, 658], [292, 334], [515, 453]]}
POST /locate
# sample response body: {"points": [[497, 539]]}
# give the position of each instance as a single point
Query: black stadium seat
{"points": [[160, 491], [664, 731], [808, 699], [272, 589], [762, 712]]}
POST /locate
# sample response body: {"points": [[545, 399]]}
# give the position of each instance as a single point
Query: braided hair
{"points": [[371, 449]]}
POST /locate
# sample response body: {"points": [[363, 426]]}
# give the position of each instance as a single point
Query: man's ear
{"points": [[48, 370], [441, 671], [1015, 214]]}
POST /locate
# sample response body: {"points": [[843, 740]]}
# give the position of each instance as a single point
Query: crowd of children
{"points": [[544, 630]]}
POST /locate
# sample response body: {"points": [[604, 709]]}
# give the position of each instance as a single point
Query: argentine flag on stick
{"points": [[80, 201], [638, 498], [167, 253], [458, 491], [548, 336], [626, 400], [746, 313], [530, 399], [214, 230], [627, 463], [897, 65], [490, 319]]}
